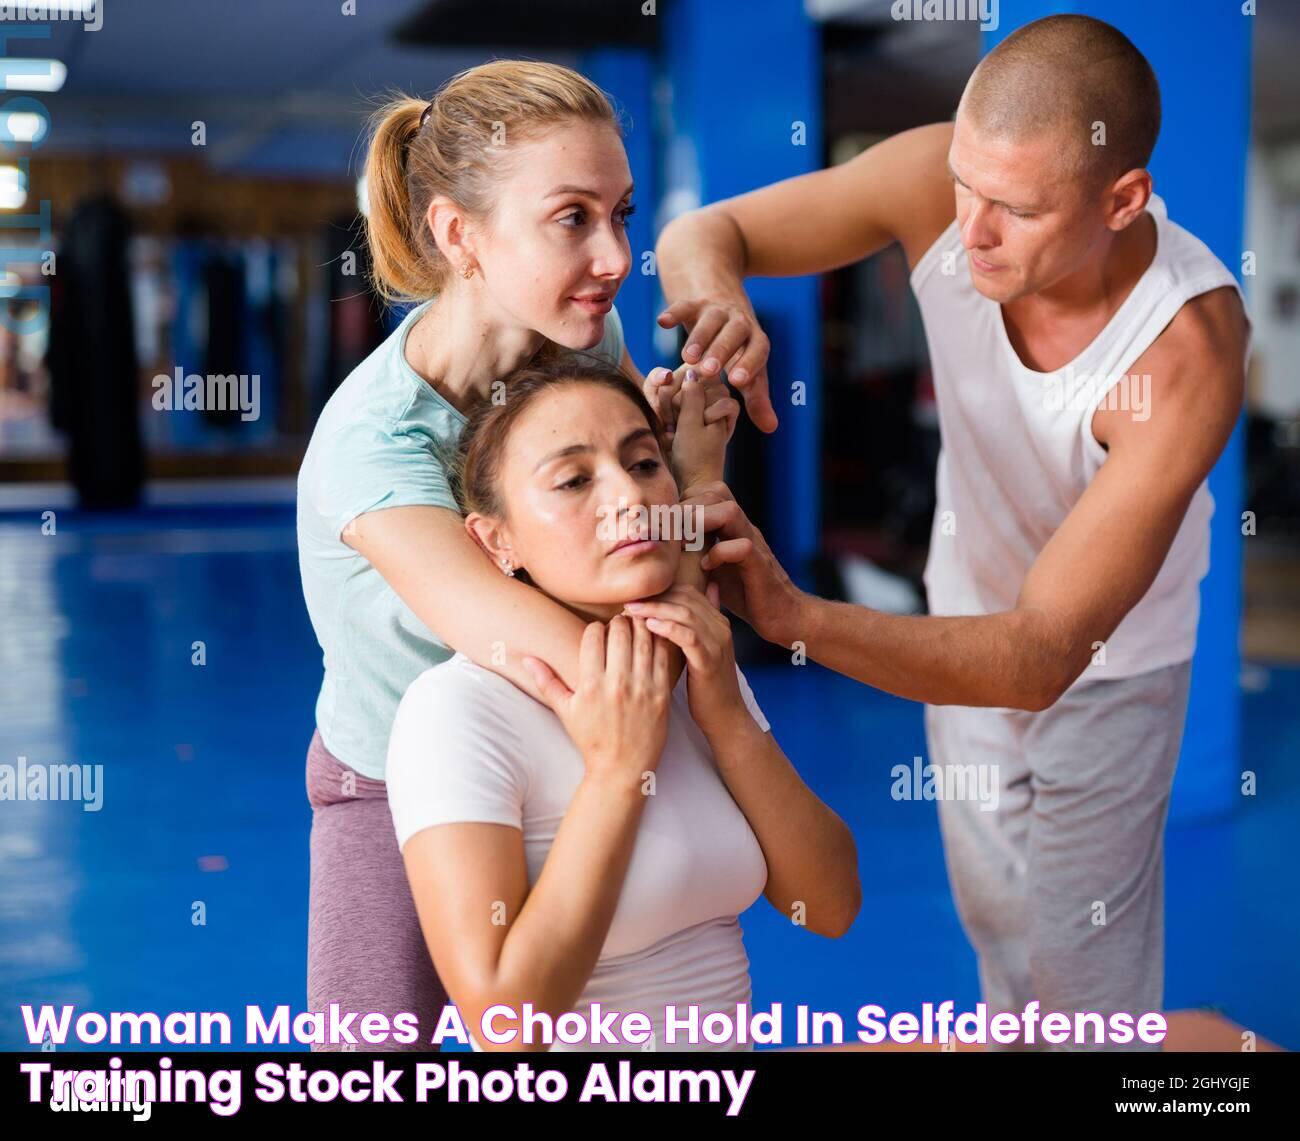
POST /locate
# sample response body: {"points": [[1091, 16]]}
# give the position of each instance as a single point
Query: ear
{"points": [[494, 539], [448, 224], [1129, 195]]}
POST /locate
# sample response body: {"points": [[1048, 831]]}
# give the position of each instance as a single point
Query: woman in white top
{"points": [[601, 853]]}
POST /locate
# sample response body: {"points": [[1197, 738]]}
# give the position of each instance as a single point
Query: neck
{"points": [[593, 611], [460, 347], [1102, 282]]}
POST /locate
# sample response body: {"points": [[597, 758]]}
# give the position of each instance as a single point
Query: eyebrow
{"points": [[996, 201], [575, 449], [583, 192]]}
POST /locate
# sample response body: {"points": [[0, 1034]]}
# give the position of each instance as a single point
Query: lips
{"points": [[982, 265], [646, 544], [595, 303]]}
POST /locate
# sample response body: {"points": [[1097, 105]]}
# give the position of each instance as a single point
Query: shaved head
{"points": [[1076, 81]]}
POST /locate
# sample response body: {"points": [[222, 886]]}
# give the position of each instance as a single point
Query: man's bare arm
{"points": [[897, 190], [1120, 530]]}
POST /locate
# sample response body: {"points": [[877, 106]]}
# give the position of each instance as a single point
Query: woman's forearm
{"points": [[450, 585], [553, 945], [812, 859]]}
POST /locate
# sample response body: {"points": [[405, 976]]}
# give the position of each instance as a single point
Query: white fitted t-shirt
{"points": [[469, 745]]}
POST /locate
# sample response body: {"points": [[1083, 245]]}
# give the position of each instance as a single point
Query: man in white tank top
{"points": [[1089, 360]]}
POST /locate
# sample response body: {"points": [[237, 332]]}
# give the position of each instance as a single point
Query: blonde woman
{"points": [[600, 850], [501, 208]]}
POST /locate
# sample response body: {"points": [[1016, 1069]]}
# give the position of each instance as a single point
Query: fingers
{"points": [[708, 325], [692, 409], [642, 650], [662, 681], [709, 515], [715, 511], [723, 409], [654, 381], [696, 625], [660, 608], [554, 692], [591, 654], [727, 410], [715, 352], [723, 334], [680, 635], [715, 491], [664, 396], [679, 603], [727, 551], [757, 401], [660, 389], [753, 358], [714, 388], [726, 520], [713, 594], [680, 312], [618, 647], [684, 634], [665, 390]]}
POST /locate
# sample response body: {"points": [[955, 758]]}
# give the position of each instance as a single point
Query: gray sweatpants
{"points": [[1061, 888]]}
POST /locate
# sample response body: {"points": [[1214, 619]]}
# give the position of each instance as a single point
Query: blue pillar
{"points": [[744, 109], [1200, 50], [627, 76]]}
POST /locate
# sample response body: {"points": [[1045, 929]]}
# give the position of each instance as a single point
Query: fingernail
{"points": [[711, 363], [633, 607], [690, 376], [740, 376], [686, 352]]}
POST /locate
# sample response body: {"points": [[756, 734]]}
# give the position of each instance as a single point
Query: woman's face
{"points": [[556, 250], [580, 474]]}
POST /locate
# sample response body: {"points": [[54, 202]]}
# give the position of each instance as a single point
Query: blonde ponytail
{"points": [[401, 269], [457, 153]]}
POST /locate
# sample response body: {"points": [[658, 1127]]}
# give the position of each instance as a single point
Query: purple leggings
{"points": [[365, 950]]}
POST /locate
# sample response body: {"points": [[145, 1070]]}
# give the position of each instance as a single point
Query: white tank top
{"points": [[1018, 449], [468, 745]]}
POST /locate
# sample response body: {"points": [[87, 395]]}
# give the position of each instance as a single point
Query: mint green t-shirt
{"points": [[372, 448]]}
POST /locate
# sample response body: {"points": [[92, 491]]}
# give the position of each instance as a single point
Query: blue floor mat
{"points": [[204, 809]]}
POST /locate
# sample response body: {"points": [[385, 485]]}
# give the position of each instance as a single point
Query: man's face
{"points": [[1025, 222]]}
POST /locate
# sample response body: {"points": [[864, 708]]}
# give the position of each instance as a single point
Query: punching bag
{"points": [[91, 358]]}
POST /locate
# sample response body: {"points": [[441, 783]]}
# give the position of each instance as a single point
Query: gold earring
{"points": [[467, 271]]}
